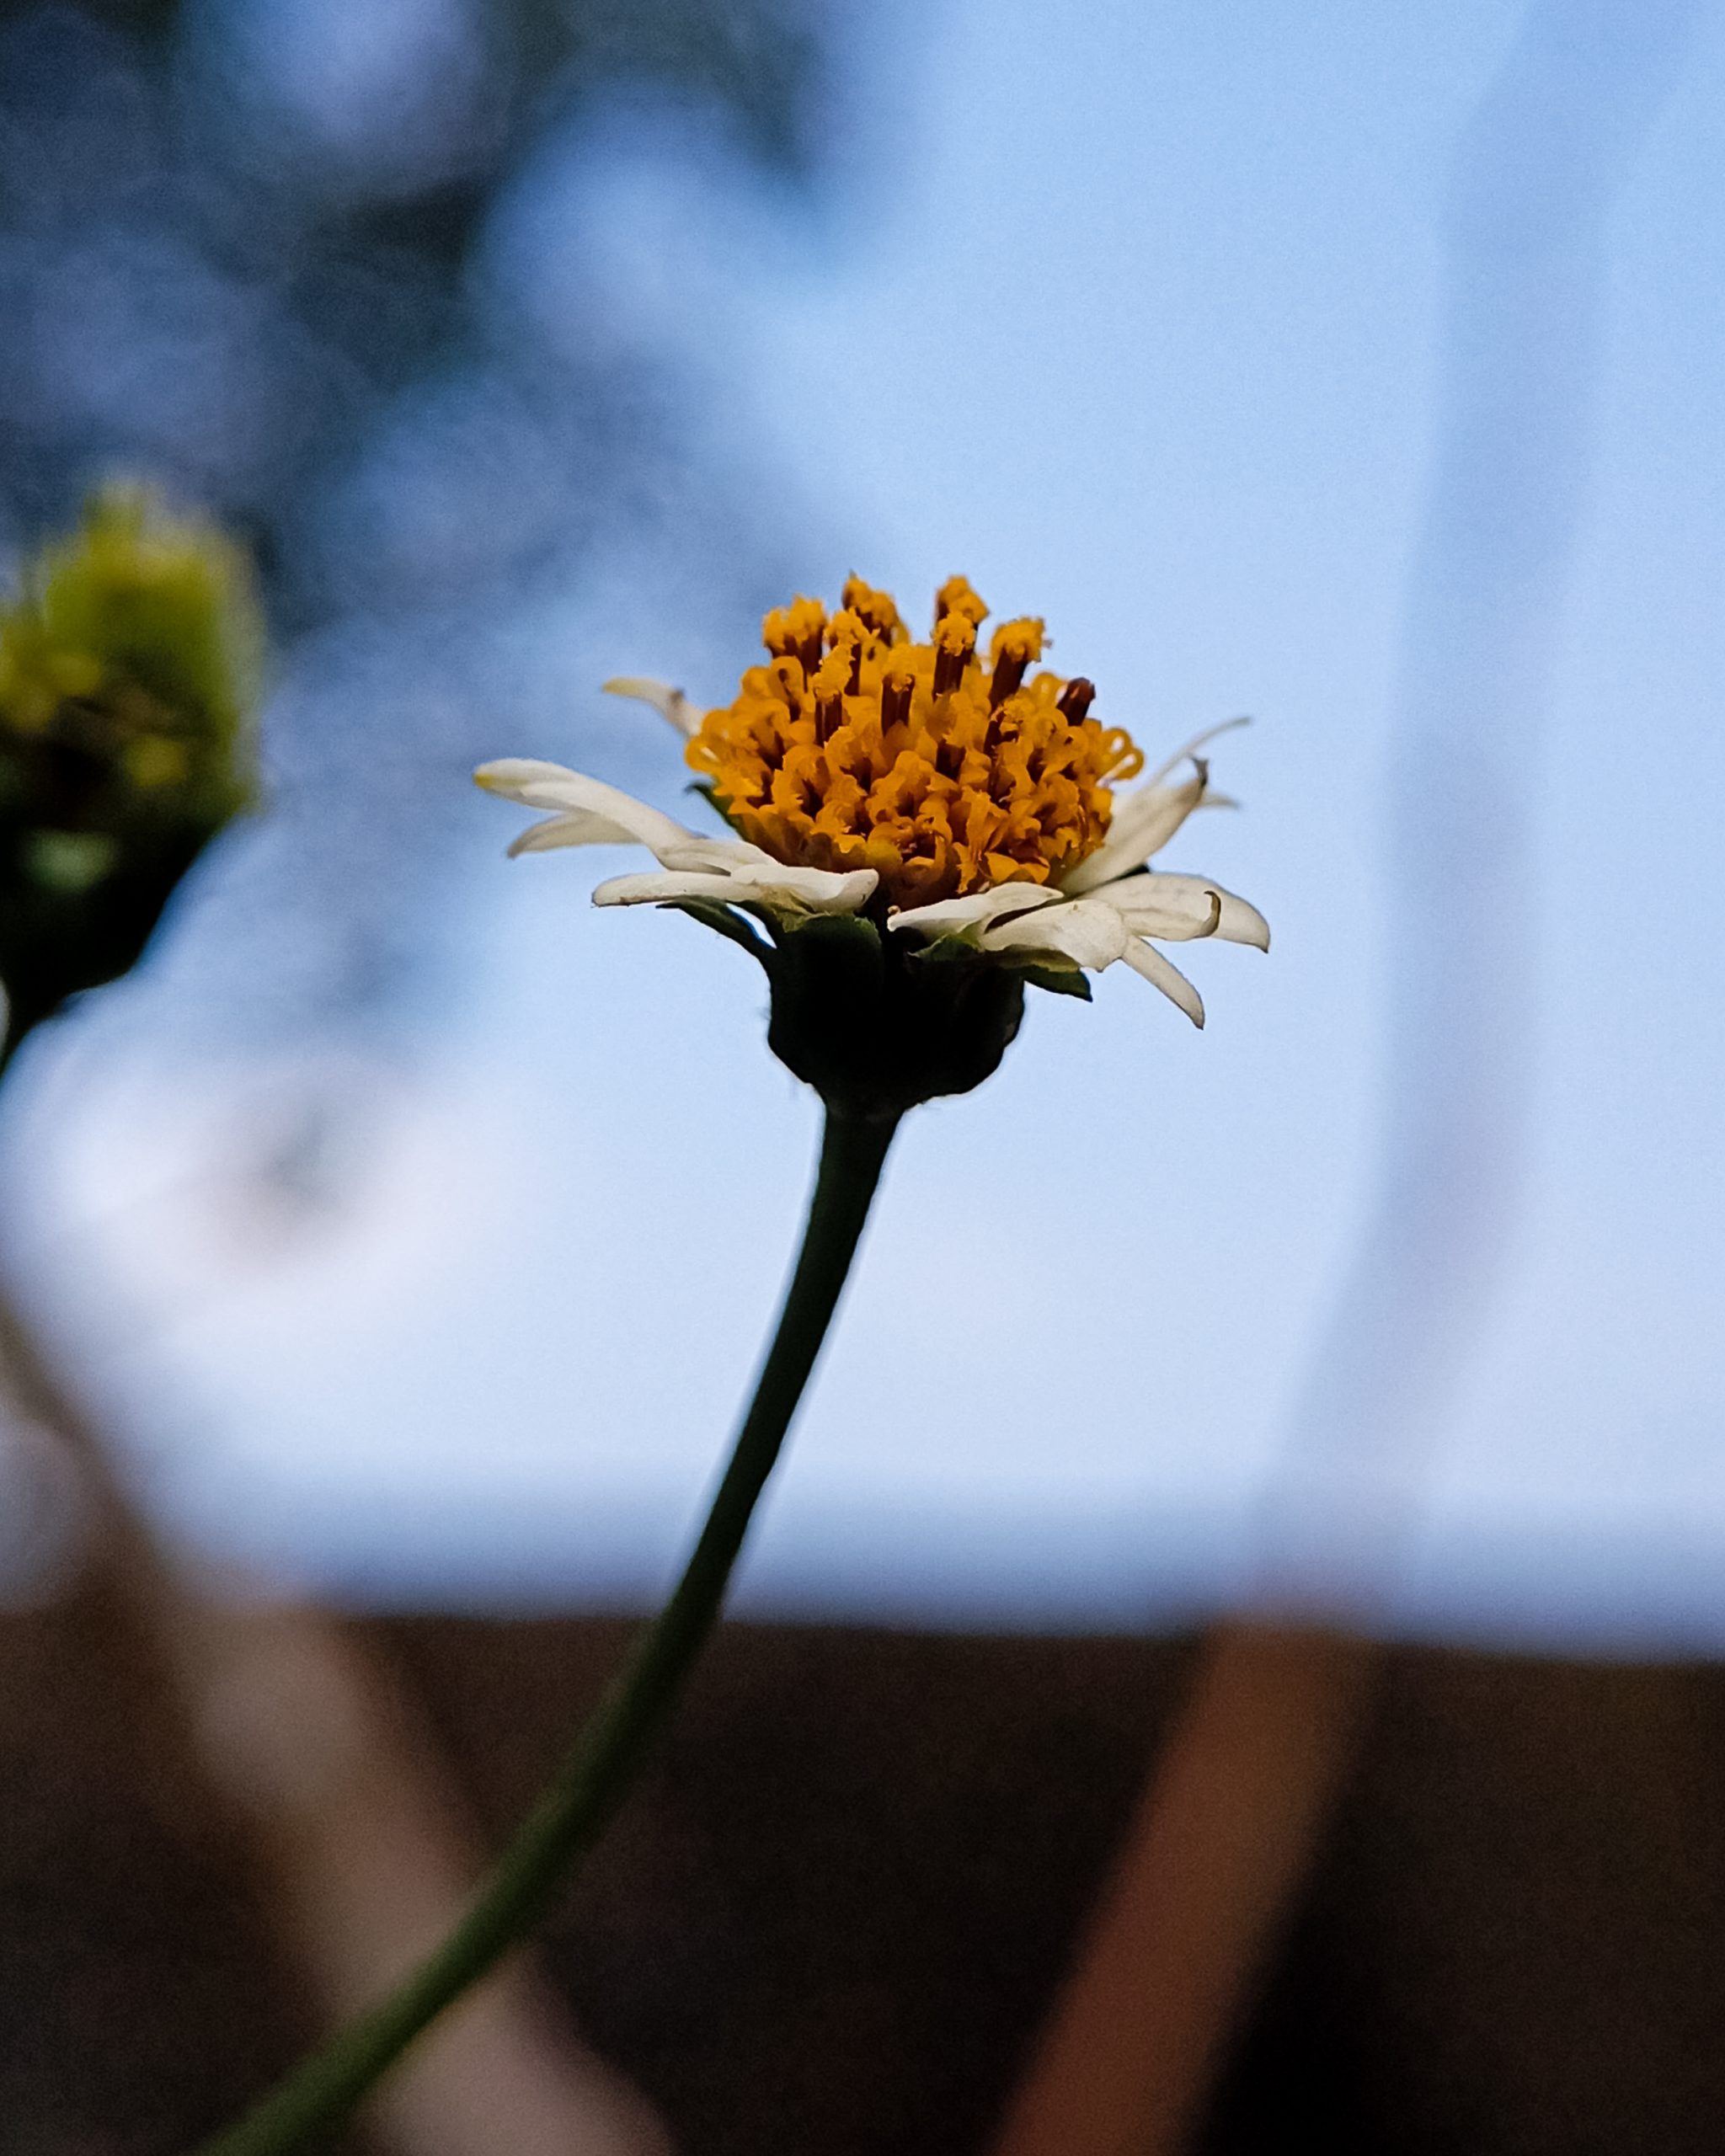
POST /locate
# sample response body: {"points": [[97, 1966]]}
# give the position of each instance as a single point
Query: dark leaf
{"points": [[1059, 980]]}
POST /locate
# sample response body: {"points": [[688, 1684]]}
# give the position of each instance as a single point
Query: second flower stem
{"points": [[321, 2093]]}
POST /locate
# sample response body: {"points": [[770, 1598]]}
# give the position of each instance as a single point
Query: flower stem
{"points": [[323, 2092]]}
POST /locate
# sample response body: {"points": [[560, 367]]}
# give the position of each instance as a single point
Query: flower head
{"points": [[945, 771], [129, 665], [949, 821]]}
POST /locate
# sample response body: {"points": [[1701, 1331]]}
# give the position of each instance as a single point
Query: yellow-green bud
{"points": [[130, 662]]}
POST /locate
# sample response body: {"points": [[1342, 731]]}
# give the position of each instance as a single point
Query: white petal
{"points": [[1191, 747], [1237, 920], [575, 827], [660, 890], [723, 854], [787, 890], [1089, 935], [1178, 908], [1150, 908], [529, 780], [1142, 824], [806, 890], [670, 703], [947, 916], [1144, 958], [617, 817], [1147, 818]]}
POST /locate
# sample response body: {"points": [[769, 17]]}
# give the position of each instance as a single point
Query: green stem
{"points": [[324, 2090]]}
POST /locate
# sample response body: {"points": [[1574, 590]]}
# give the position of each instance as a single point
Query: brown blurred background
{"points": [[832, 1918]]}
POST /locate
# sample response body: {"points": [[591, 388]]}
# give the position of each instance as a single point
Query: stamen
{"points": [[876, 608], [954, 645], [830, 683], [1075, 700], [1017, 644], [796, 631], [896, 691], [848, 632], [957, 596]]}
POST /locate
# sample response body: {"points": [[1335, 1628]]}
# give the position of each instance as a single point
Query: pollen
{"points": [[944, 768]]}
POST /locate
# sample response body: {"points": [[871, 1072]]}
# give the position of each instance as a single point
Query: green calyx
{"points": [[875, 1024], [875, 1027], [130, 661]]}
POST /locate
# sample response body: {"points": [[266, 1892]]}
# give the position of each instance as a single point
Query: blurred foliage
{"points": [[129, 672], [154, 193], [241, 251]]}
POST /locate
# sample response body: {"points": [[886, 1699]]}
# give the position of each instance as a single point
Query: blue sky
{"points": [[1132, 315]]}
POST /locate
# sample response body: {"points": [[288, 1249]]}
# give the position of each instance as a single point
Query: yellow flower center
{"points": [[857, 749]]}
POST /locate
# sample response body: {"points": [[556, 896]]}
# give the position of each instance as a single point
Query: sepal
{"points": [[1058, 980], [725, 921], [873, 1027]]}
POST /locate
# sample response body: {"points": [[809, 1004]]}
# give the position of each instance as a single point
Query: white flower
{"points": [[1110, 904], [1109, 907]]}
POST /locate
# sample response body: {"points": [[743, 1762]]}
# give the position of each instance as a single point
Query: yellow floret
{"points": [[857, 748]]}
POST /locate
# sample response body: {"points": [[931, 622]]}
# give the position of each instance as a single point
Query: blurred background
{"points": [[406, 1233]]}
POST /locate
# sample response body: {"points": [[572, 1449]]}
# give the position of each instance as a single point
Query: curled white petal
{"points": [[809, 890], [529, 780], [1142, 824], [951, 916], [781, 889], [1237, 920], [723, 854], [575, 827], [670, 703], [589, 812], [664, 888], [1145, 819], [1178, 908], [1144, 959], [1191, 747], [1088, 934], [1148, 907]]}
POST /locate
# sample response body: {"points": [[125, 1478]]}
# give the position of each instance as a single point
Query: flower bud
{"points": [[130, 661]]}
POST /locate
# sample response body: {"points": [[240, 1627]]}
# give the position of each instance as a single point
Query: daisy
{"points": [[916, 835], [963, 809]]}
